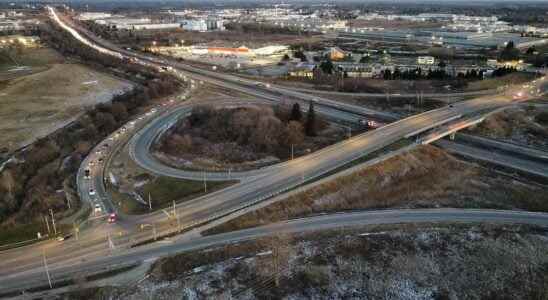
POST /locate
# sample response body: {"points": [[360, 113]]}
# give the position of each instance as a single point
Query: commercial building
{"points": [[11, 26], [242, 50], [302, 70], [25, 41], [271, 50], [335, 53], [202, 25], [157, 26], [194, 25], [426, 60], [123, 23], [92, 16], [464, 40]]}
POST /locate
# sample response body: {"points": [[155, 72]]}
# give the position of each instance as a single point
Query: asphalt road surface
{"points": [[109, 244], [65, 267]]}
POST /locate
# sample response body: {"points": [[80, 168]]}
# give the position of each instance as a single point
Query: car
{"points": [[112, 218], [87, 173], [518, 95], [63, 237], [91, 163], [97, 208], [91, 192], [100, 160]]}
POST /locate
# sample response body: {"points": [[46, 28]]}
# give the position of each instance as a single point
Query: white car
{"points": [[98, 208], [91, 192]]}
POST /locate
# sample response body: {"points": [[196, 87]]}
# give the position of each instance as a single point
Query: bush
{"points": [[542, 118]]}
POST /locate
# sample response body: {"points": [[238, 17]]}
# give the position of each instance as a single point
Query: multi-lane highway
{"points": [[109, 244]]}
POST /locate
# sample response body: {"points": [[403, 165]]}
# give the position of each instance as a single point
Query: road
{"points": [[514, 162], [104, 244], [448, 97], [64, 267]]}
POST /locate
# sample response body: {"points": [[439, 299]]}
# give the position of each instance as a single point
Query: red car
{"points": [[112, 218]]}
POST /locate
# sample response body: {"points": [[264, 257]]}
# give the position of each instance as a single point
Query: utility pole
{"points": [[149, 202], [76, 230], [47, 224], [68, 202], [292, 152], [53, 221], [110, 243], [205, 183], [154, 230], [47, 269], [176, 217], [229, 169]]}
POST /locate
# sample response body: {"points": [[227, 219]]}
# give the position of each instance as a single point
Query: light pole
{"points": [[176, 217], [53, 221], [76, 231], [47, 224], [47, 269], [205, 182], [292, 152]]}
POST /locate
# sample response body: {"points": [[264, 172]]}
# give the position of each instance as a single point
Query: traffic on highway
{"points": [[111, 238]]}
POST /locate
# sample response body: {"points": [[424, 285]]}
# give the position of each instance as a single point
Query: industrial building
{"points": [[92, 16], [444, 38]]}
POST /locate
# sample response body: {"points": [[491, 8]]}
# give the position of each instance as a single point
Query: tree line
{"points": [[252, 129], [29, 185]]}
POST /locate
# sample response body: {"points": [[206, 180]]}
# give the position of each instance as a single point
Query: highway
{"points": [[444, 97], [64, 268], [514, 162], [109, 244], [302, 169]]}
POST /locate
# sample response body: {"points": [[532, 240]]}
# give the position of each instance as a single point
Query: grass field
{"points": [[163, 191], [493, 83], [28, 232], [423, 178], [48, 96]]}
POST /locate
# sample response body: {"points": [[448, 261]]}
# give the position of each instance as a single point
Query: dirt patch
{"points": [[37, 104], [424, 178], [387, 262], [520, 125]]}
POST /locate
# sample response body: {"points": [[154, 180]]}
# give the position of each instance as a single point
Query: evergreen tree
{"points": [[310, 126], [327, 66], [296, 114]]}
